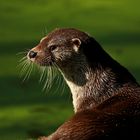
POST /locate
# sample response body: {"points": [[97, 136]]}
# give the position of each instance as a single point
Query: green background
{"points": [[27, 112]]}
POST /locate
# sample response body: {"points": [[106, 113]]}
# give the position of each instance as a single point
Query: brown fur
{"points": [[106, 97]]}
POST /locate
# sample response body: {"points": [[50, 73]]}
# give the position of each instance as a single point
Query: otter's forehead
{"points": [[52, 40], [63, 35], [67, 33]]}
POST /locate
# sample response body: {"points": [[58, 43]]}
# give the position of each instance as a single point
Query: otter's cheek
{"points": [[57, 56]]}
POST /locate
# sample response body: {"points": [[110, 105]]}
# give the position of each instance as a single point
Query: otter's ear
{"points": [[76, 44]]}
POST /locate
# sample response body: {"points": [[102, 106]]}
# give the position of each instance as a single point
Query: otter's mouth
{"points": [[43, 62]]}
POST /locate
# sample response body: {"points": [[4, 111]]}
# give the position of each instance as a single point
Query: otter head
{"points": [[57, 47]]}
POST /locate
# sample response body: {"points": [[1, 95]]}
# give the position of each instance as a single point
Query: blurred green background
{"points": [[27, 112]]}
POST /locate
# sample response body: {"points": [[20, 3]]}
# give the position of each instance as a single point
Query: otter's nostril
{"points": [[32, 54]]}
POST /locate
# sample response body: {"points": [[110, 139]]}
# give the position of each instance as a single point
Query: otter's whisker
{"points": [[50, 77], [42, 74], [22, 59], [20, 53], [29, 70], [24, 64], [26, 68], [45, 31], [47, 78], [56, 77], [20, 65], [54, 72], [59, 81], [63, 86]]}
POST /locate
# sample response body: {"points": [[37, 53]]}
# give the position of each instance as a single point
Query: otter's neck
{"points": [[90, 88], [92, 84]]}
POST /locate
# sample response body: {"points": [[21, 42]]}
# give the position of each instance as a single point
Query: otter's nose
{"points": [[32, 54]]}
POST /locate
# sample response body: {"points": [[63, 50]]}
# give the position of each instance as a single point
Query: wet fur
{"points": [[106, 97]]}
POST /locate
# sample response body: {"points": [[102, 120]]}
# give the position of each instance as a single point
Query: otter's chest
{"points": [[77, 93]]}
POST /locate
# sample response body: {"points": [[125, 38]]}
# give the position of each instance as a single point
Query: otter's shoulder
{"points": [[126, 100]]}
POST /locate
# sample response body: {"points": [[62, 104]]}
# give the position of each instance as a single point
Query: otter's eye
{"points": [[53, 47]]}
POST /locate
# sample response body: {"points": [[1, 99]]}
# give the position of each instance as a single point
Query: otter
{"points": [[106, 97]]}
